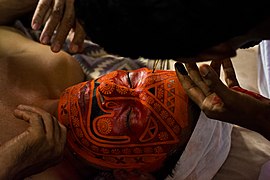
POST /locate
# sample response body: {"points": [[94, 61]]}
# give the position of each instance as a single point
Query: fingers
{"points": [[202, 82], [64, 27], [216, 65], [195, 75], [216, 85], [40, 13], [230, 76], [41, 145], [52, 22], [59, 19], [35, 120], [78, 38], [195, 93], [40, 120]]}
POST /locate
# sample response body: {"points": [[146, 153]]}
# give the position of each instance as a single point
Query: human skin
{"points": [[204, 87], [55, 15], [58, 16], [26, 80], [33, 75], [205, 83]]}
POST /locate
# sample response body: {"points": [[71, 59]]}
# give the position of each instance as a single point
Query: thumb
{"points": [[213, 81]]}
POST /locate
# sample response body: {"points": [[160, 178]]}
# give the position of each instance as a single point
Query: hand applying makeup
{"points": [[59, 16], [37, 148], [221, 102]]}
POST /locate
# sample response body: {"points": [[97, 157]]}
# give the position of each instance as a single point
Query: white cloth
{"points": [[264, 89], [205, 152], [264, 68], [265, 171]]}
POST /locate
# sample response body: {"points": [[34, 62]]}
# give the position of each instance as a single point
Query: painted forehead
{"points": [[160, 105]]}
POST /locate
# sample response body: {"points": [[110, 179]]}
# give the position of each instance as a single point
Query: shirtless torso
{"points": [[33, 75]]}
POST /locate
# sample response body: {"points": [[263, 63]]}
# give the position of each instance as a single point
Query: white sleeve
{"points": [[264, 68]]}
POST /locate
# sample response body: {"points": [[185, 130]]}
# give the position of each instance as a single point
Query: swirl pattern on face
{"points": [[125, 119]]}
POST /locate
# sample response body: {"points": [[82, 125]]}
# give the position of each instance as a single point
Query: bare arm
{"points": [[36, 149], [12, 9]]}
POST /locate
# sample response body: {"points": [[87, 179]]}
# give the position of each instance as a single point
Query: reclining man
{"points": [[33, 75], [136, 121], [148, 138], [123, 124]]}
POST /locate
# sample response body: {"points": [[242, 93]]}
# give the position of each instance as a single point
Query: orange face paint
{"points": [[125, 119]]}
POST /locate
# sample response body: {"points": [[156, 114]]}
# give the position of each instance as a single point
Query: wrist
{"points": [[7, 163], [264, 121], [11, 158]]}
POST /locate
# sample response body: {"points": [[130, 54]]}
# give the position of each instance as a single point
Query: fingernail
{"points": [[45, 40], [180, 68], [35, 26], [56, 47], [204, 70]]}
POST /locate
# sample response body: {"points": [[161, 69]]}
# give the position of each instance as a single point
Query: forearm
{"points": [[257, 116], [12, 9], [15, 156], [264, 122], [257, 119], [8, 161]]}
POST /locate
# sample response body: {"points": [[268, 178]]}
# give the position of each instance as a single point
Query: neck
{"points": [[49, 105]]}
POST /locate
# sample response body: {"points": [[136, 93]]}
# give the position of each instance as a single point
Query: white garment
{"points": [[205, 152], [264, 68], [264, 89]]}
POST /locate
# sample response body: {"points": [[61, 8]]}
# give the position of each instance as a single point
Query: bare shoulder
{"points": [[14, 45], [9, 38], [22, 55]]}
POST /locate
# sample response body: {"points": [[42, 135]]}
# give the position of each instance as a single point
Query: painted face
{"points": [[125, 119]]}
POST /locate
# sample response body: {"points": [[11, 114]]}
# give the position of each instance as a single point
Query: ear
{"points": [[133, 174], [218, 52]]}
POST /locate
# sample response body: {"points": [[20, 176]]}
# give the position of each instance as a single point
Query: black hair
{"points": [[167, 29]]}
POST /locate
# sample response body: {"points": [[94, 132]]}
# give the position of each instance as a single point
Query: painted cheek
{"points": [[120, 120], [138, 118]]}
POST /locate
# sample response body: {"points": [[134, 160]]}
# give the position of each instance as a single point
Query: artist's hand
{"points": [[36, 149], [59, 16], [222, 102]]}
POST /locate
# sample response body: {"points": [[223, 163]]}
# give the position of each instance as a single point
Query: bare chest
{"points": [[10, 126], [13, 92]]}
